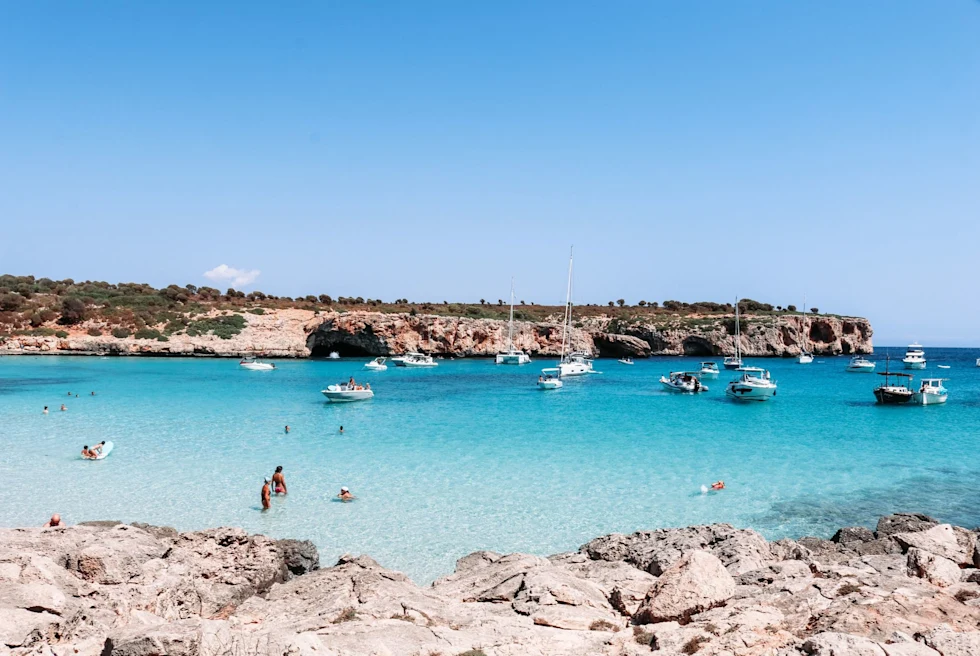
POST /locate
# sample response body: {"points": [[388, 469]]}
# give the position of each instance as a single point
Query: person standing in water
{"points": [[287, 428], [341, 430], [279, 481], [266, 496], [54, 521], [45, 410], [345, 495]]}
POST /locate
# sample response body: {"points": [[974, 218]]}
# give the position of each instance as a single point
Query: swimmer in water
{"points": [[287, 428], [719, 485], [341, 430], [54, 521], [345, 495], [45, 410], [266, 503], [63, 408], [93, 393], [279, 481]]}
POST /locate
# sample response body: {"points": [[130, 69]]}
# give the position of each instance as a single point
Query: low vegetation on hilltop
{"points": [[42, 306]]}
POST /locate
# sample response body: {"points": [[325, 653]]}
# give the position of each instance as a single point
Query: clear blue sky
{"points": [[431, 150]]}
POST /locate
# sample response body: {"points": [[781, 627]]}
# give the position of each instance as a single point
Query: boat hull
{"points": [[513, 358], [376, 367], [338, 395], [417, 365], [920, 398], [915, 364], [741, 391], [574, 369], [258, 366], [888, 396], [861, 369], [732, 365], [708, 374], [549, 384]]}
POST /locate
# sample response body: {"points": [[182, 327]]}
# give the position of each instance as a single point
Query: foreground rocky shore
{"points": [[909, 588], [294, 333]]}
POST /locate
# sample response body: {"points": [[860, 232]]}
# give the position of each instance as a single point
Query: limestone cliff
{"points": [[295, 333]]}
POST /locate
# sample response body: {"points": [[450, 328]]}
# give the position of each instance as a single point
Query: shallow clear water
{"points": [[472, 456]]}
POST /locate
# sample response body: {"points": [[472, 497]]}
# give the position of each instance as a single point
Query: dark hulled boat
{"points": [[895, 393]]}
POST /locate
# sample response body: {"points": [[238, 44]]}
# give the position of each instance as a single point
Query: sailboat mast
{"points": [[510, 330], [567, 321], [803, 328], [738, 346]]}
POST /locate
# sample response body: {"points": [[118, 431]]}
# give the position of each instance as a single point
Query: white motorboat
{"points": [[683, 381], [626, 361], [416, 360], [860, 365], [735, 361], [753, 384], [931, 392], [334, 355], [254, 365], [549, 380], [709, 370], [915, 357], [377, 364], [805, 356], [345, 393], [512, 355]]}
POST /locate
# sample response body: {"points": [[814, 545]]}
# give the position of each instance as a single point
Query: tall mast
{"points": [[803, 329], [567, 321], [510, 330], [738, 346]]}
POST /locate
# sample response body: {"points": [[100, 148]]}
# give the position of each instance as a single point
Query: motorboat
{"points": [[346, 392], [753, 384], [416, 360], [709, 370], [683, 381], [915, 357], [254, 365], [897, 392], [931, 392], [626, 360], [860, 365], [512, 355], [549, 380], [334, 355], [805, 356], [576, 364], [377, 364], [735, 361]]}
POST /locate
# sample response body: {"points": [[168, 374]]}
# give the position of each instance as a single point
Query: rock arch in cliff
{"points": [[822, 332]]}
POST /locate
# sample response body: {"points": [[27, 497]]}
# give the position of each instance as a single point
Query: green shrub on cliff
{"points": [[147, 333], [224, 327], [120, 333], [61, 334], [94, 332]]}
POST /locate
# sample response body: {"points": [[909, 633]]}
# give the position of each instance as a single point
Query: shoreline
{"points": [[910, 587]]}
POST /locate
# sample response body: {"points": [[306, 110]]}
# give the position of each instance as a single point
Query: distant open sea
{"points": [[471, 455]]}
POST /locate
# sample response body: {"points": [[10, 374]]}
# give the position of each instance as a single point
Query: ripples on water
{"points": [[472, 456]]}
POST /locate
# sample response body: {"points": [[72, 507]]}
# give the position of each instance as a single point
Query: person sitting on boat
{"points": [[88, 455], [345, 495], [351, 384], [97, 449], [719, 485]]}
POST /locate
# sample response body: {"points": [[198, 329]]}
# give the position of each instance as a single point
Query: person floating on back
{"points": [[266, 496], [720, 485], [279, 481]]}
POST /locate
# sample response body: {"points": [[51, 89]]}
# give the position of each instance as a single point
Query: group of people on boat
{"points": [[354, 386]]}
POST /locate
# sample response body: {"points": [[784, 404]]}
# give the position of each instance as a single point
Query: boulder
{"points": [[952, 643], [935, 569], [904, 523], [853, 534], [841, 644], [301, 556], [941, 540], [623, 585], [655, 551], [695, 583]]}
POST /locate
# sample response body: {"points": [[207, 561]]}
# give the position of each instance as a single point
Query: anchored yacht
{"points": [[915, 357], [754, 384], [512, 355]]}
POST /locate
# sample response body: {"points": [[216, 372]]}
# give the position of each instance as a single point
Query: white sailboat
{"points": [[576, 363], [734, 362], [805, 356], [512, 355]]}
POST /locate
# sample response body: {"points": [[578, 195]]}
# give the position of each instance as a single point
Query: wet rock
{"points": [[904, 523], [695, 583]]}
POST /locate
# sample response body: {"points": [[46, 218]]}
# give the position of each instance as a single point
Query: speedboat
{"points": [[709, 370], [754, 384], [345, 392], [931, 392], [915, 357], [377, 364], [255, 365], [549, 380], [683, 381], [417, 360], [334, 355], [860, 365], [626, 360], [805, 357]]}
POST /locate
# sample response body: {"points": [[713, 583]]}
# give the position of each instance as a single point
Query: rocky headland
{"points": [[298, 333], [911, 587]]}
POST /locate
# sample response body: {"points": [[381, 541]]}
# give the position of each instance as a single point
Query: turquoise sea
{"points": [[471, 455]]}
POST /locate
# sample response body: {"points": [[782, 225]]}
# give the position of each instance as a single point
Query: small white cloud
{"points": [[237, 277]]}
